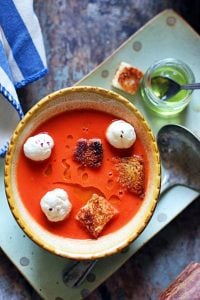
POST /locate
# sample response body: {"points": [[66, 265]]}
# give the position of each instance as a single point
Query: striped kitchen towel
{"points": [[22, 60]]}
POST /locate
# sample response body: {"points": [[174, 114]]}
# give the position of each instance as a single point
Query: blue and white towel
{"points": [[22, 60]]}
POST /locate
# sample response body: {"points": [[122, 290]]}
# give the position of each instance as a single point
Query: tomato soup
{"points": [[35, 179]]}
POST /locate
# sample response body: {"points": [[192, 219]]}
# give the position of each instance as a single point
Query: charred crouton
{"points": [[131, 174], [127, 78], [94, 153], [89, 153], [80, 150], [95, 214]]}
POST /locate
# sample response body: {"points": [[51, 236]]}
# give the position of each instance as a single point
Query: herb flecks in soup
{"points": [[79, 180]]}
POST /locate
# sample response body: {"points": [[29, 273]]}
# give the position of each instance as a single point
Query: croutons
{"points": [[127, 78], [131, 174], [89, 152], [96, 213]]}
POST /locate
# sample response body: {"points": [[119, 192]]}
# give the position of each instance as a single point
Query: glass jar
{"points": [[176, 70]]}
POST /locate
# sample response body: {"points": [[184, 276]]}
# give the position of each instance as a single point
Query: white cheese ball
{"points": [[38, 147], [120, 134], [56, 205]]}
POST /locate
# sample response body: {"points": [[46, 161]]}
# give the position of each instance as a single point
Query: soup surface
{"points": [[61, 171]]}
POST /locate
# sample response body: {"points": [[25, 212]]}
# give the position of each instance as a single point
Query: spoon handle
{"points": [[78, 272], [191, 86]]}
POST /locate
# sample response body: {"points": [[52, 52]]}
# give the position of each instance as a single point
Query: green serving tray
{"points": [[167, 35]]}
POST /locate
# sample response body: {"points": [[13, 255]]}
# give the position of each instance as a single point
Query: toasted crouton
{"points": [[131, 174], [89, 152], [81, 148], [96, 213], [127, 78]]}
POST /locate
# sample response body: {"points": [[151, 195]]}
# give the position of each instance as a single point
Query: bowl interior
{"points": [[67, 100]]}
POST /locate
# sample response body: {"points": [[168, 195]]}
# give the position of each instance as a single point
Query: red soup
{"points": [[61, 171]]}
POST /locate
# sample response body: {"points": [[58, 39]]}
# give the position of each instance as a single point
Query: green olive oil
{"points": [[173, 73]]}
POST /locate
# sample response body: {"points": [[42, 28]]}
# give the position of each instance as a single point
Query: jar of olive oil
{"points": [[152, 94]]}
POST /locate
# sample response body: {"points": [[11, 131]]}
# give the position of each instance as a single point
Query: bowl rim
{"points": [[8, 165]]}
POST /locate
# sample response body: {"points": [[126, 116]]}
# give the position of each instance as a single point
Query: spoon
{"points": [[167, 87], [180, 156]]}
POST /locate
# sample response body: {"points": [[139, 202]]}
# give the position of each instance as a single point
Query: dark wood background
{"points": [[78, 35]]}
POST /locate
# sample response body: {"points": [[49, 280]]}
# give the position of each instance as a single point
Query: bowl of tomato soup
{"points": [[111, 201]]}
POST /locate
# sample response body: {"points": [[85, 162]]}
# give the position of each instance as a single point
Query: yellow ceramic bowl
{"points": [[67, 100]]}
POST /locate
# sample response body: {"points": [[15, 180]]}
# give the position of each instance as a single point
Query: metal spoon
{"points": [[180, 156], [167, 87]]}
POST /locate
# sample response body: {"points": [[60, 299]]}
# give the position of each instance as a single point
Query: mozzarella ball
{"points": [[56, 205], [38, 147], [120, 134]]}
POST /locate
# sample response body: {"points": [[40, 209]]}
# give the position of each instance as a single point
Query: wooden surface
{"points": [[78, 35], [185, 286]]}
